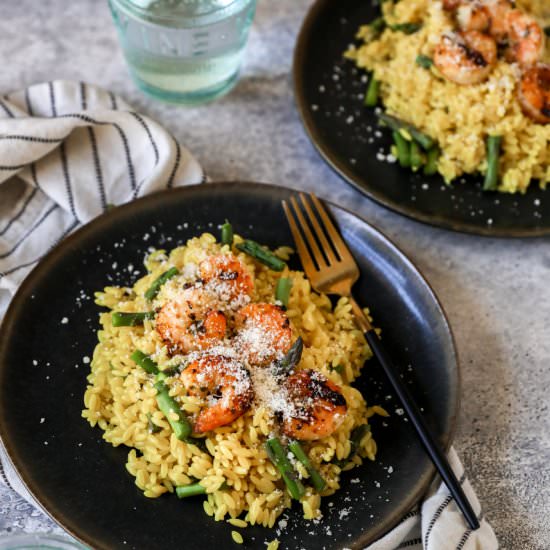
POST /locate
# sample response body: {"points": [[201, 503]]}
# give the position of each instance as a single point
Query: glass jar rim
{"points": [[133, 9]]}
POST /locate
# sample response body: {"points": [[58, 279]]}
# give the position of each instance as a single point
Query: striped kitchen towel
{"points": [[68, 151], [438, 524]]}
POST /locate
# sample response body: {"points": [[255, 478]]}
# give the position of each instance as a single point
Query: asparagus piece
{"points": [[259, 253], [417, 159], [184, 491], [424, 61], [493, 153], [338, 368], [152, 428], [403, 149], [145, 362], [153, 290], [395, 124], [227, 233], [168, 405], [430, 167], [406, 28], [371, 97], [127, 319], [292, 358], [378, 25], [282, 292], [277, 454], [316, 479], [356, 436]]}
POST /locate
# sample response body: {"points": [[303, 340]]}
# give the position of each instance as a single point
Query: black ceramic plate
{"points": [[81, 480], [329, 93]]}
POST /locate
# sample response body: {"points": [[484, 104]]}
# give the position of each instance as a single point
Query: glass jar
{"points": [[183, 51]]}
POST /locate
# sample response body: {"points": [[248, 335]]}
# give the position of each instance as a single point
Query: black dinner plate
{"points": [[81, 481], [329, 92]]}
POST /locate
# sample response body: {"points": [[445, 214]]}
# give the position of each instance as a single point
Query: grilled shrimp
{"points": [[526, 38], [451, 5], [189, 323], [225, 278], [224, 384], [318, 407], [481, 15], [465, 57], [473, 16], [263, 333], [195, 318], [498, 11], [534, 92]]}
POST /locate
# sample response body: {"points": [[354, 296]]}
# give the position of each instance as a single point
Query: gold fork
{"points": [[331, 269]]}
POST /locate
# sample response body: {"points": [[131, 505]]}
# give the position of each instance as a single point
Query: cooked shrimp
{"points": [[472, 16], [481, 15], [317, 407], [224, 384], [498, 14], [526, 38], [451, 5], [263, 333], [190, 322], [465, 57], [226, 278], [534, 93]]}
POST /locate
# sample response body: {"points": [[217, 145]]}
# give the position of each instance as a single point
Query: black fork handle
{"points": [[429, 443]]}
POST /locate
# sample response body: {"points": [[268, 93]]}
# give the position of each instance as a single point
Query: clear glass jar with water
{"points": [[183, 51]]}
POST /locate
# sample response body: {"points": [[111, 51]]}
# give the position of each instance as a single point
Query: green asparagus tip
{"points": [[292, 358], [227, 233]]}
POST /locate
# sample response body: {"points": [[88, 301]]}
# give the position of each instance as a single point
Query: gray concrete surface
{"points": [[496, 292]]}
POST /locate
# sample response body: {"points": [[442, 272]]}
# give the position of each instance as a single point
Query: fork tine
{"points": [[316, 251], [332, 259], [333, 233], [303, 252]]}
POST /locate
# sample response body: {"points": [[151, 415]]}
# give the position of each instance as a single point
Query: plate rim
{"points": [[357, 181], [26, 288]]}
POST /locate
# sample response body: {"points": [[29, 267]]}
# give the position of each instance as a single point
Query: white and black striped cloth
{"points": [[75, 149], [438, 524]]}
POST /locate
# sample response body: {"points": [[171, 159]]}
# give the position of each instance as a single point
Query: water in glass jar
{"points": [[184, 51]]}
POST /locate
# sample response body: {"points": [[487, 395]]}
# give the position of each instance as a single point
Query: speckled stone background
{"points": [[496, 292]]}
